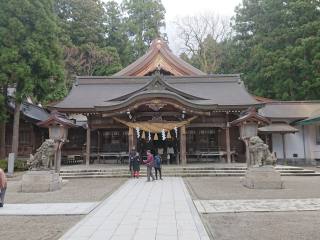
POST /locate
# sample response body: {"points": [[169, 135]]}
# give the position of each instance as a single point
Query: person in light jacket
{"points": [[150, 164], [3, 186]]}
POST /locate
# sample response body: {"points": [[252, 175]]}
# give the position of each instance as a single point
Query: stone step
{"points": [[175, 169], [224, 174]]}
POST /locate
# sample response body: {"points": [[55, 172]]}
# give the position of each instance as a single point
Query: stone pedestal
{"points": [[265, 177], [41, 181]]}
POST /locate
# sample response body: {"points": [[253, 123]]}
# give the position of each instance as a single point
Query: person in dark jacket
{"points": [[136, 166], [157, 166], [150, 164]]}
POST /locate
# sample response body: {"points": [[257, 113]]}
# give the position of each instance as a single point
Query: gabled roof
{"points": [[57, 118], [210, 92], [29, 110], [157, 84], [278, 128], [290, 110], [251, 116], [159, 56]]}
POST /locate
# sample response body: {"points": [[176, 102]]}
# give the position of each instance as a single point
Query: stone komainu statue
{"points": [[259, 153], [43, 157]]}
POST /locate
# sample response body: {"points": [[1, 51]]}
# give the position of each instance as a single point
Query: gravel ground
{"points": [[264, 226], [302, 225], [52, 227], [75, 190], [228, 188], [35, 227]]}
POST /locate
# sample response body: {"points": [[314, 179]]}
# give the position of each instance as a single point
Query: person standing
{"points": [[136, 166], [132, 155], [150, 164], [157, 166], [3, 186]]}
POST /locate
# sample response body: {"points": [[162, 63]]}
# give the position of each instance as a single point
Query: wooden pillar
{"points": [[99, 144], [284, 146], [131, 139], [183, 143], [88, 146], [228, 139], [248, 160]]}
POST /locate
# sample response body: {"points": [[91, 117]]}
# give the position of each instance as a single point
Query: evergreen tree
{"points": [[82, 21], [144, 20], [91, 60], [116, 32], [30, 53], [277, 47]]}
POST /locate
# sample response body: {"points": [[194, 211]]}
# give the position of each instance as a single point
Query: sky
{"points": [[179, 8]]}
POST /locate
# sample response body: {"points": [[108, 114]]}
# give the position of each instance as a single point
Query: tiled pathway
{"points": [[257, 205], [145, 211], [48, 209]]}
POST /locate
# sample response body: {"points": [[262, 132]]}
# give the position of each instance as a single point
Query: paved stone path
{"points": [[257, 205], [48, 209], [143, 210]]}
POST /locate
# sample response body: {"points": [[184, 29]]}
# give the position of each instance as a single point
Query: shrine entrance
{"points": [[167, 148]]}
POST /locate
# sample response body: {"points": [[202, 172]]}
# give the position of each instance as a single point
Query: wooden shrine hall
{"points": [[160, 103]]}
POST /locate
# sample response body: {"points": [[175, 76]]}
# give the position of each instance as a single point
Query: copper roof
{"points": [[159, 56]]}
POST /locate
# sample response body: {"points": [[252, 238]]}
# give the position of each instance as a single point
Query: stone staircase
{"points": [[120, 172]]}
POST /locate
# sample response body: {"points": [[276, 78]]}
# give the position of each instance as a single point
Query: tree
{"points": [[278, 47], [89, 60], [82, 21], [203, 37], [30, 53], [144, 20], [3, 111], [116, 32]]}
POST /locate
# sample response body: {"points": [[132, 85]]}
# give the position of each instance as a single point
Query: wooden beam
{"points": [[284, 146], [228, 139], [130, 141], [183, 143], [88, 146]]}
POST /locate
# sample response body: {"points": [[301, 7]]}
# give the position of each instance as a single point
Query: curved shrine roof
{"points": [[209, 91], [159, 56]]}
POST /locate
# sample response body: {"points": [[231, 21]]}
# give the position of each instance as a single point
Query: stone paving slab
{"points": [[48, 209], [257, 205], [141, 210]]}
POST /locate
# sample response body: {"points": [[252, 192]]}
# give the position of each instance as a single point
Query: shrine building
{"points": [[160, 103]]}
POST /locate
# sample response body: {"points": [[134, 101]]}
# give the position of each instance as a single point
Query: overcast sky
{"points": [[179, 8]]}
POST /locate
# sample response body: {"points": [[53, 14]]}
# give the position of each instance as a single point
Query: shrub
{"points": [[19, 165]]}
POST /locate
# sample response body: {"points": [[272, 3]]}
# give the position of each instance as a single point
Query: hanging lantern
{"points": [[169, 135], [143, 136], [155, 137], [149, 136], [163, 134]]}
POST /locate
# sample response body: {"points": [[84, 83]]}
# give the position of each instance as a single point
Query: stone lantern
{"points": [[41, 177], [58, 126], [248, 124]]}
